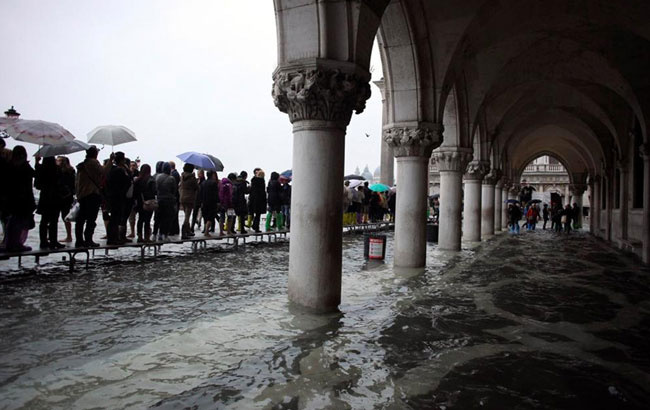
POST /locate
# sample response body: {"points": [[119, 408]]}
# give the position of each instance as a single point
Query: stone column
{"points": [[387, 159], [498, 208], [319, 102], [412, 146], [597, 202], [487, 213], [624, 209], [451, 162], [645, 153], [608, 183], [476, 170], [504, 206], [592, 202], [577, 191]]}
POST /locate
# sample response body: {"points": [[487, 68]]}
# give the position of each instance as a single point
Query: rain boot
{"points": [[280, 221], [249, 221], [269, 217]]}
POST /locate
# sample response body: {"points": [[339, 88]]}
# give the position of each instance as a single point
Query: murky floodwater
{"points": [[519, 322]]}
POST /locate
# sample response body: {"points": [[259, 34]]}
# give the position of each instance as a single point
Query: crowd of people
{"points": [[362, 205], [563, 219], [130, 195]]}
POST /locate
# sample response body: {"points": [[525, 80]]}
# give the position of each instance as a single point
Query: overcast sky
{"points": [[190, 75]]}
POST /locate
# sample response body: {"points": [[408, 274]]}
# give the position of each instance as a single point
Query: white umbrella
{"points": [[63, 149], [111, 135], [36, 131]]}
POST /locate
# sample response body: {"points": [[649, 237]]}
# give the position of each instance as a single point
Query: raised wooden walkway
{"points": [[197, 243]]}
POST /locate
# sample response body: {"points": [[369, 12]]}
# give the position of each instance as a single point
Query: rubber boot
{"points": [[280, 221], [249, 221], [269, 217]]}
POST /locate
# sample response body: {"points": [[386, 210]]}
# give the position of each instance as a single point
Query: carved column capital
{"points": [[577, 189], [476, 170], [413, 141], [324, 94], [493, 177], [644, 152], [455, 159]]}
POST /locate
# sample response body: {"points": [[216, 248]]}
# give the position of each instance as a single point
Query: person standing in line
{"points": [[257, 198], [68, 176], [5, 161], [225, 198], [274, 200], [545, 214], [156, 215], [240, 190], [196, 212], [367, 193], [49, 180], [167, 190], [189, 188], [21, 203], [89, 194], [347, 202], [117, 186], [285, 198], [144, 189], [176, 229], [209, 198], [134, 172]]}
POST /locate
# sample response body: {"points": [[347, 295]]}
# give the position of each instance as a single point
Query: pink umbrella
{"points": [[36, 131]]}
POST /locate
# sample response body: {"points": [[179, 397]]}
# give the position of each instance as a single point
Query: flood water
{"points": [[534, 321]]}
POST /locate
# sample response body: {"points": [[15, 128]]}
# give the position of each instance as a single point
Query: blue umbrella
{"points": [[379, 188], [198, 160], [287, 174], [512, 201]]}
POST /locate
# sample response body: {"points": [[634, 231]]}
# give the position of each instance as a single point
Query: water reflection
{"points": [[496, 326]]}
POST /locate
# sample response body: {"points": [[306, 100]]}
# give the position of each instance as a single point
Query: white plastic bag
{"points": [[74, 211]]}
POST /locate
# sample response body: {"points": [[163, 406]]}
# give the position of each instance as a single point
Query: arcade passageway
{"points": [[479, 88]]}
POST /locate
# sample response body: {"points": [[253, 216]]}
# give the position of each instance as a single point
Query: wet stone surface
{"points": [[528, 321]]}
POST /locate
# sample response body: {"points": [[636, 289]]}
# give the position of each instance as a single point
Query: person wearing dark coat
{"points": [[273, 199], [285, 196], [196, 219], [167, 190], [567, 217], [240, 190], [514, 215], [118, 183], [69, 177], [49, 180], [209, 199], [176, 227], [156, 216], [257, 198], [144, 189], [545, 213], [21, 204]]}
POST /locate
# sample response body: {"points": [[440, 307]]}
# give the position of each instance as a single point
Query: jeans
{"points": [[48, 227], [514, 226]]}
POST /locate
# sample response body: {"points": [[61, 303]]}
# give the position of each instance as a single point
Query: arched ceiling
{"points": [[516, 66]]}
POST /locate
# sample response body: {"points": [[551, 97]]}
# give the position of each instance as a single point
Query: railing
{"points": [[555, 168]]}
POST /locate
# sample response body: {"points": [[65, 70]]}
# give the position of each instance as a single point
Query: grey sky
{"points": [[184, 75]]}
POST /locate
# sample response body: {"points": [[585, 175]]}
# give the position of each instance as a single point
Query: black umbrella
{"points": [[535, 201], [512, 201], [353, 176]]}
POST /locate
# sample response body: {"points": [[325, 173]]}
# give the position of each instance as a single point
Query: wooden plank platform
{"points": [[197, 243]]}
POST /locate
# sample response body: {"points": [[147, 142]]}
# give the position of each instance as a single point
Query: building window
{"points": [[637, 171]]}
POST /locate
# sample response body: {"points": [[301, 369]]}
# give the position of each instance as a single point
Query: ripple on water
{"points": [[532, 380]]}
